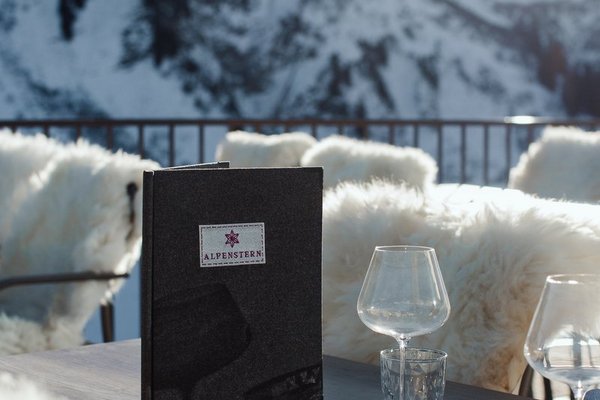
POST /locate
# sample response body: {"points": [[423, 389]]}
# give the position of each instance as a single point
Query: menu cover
{"points": [[231, 283]]}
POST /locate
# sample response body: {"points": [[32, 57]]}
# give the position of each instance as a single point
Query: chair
{"points": [[495, 248], [245, 149], [562, 164], [346, 159], [79, 225]]}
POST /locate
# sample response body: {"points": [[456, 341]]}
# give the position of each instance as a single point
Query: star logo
{"points": [[232, 238]]}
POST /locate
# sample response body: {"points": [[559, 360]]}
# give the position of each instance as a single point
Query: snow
{"points": [[89, 64]]}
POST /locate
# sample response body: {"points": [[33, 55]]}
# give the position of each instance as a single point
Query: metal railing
{"points": [[467, 151]]}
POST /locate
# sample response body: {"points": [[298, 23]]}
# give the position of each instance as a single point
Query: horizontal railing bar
{"points": [[295, 122]]}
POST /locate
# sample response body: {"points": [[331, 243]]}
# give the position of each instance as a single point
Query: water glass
{"points": [[424, 374]]}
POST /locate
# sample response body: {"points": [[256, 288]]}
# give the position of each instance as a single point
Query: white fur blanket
{"points": [[564, 163], [347, 159], [13, 387], [21, 159], [77, 217], [18, 335], [245, 149], [494, 250]]}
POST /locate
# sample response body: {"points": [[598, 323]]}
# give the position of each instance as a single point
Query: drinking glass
{"points": [[424, 377], [563, 342], [403, 295]]}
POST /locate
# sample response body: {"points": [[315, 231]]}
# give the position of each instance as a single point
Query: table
{"points": [[112, 372]]}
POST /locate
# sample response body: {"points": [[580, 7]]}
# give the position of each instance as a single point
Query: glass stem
{"points": [[578, 392], [402, 343]]}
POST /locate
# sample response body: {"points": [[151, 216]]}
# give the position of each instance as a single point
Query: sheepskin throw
{"points": [[564, 163], [495, 248], [347, 159], [245, 149], [16, 387], [82, 214], [21, 160]]}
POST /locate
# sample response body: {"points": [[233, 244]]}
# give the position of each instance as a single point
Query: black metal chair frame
{"points": [[106, 310]]}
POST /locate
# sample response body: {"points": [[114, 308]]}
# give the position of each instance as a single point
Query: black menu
{"points": [[231, 284]]}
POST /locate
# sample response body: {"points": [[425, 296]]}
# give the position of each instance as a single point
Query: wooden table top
{"points": [[112, 372]]}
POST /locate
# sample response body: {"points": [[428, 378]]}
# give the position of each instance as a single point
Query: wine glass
{"points": [[403, 295], [563, 342]]}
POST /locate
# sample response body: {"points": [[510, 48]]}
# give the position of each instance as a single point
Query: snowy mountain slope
{"points": [[43, 75], [327, 58]]}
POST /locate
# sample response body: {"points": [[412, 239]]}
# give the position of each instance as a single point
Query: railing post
{"points": [[391, 136], [463, 153], [364, 131], [171, 145], [416, 135], [201, 143], [508, 141], [440, 153], [141, 147], [486, 154], [529, 134], [109, 136]]}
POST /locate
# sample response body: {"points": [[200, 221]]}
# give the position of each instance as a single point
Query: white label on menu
{"points": [[232, 244]]}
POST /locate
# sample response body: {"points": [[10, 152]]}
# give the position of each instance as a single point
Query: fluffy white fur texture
{"points": [[246, 149], [76, 219], [16, 387], [347, 159], [563, 163], [21, 159], [19, 335], [495, 251]]}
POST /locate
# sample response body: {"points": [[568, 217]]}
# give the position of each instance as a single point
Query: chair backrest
{"points": [[563, 164], [84, 215], [346, 159], [245, 149]]}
